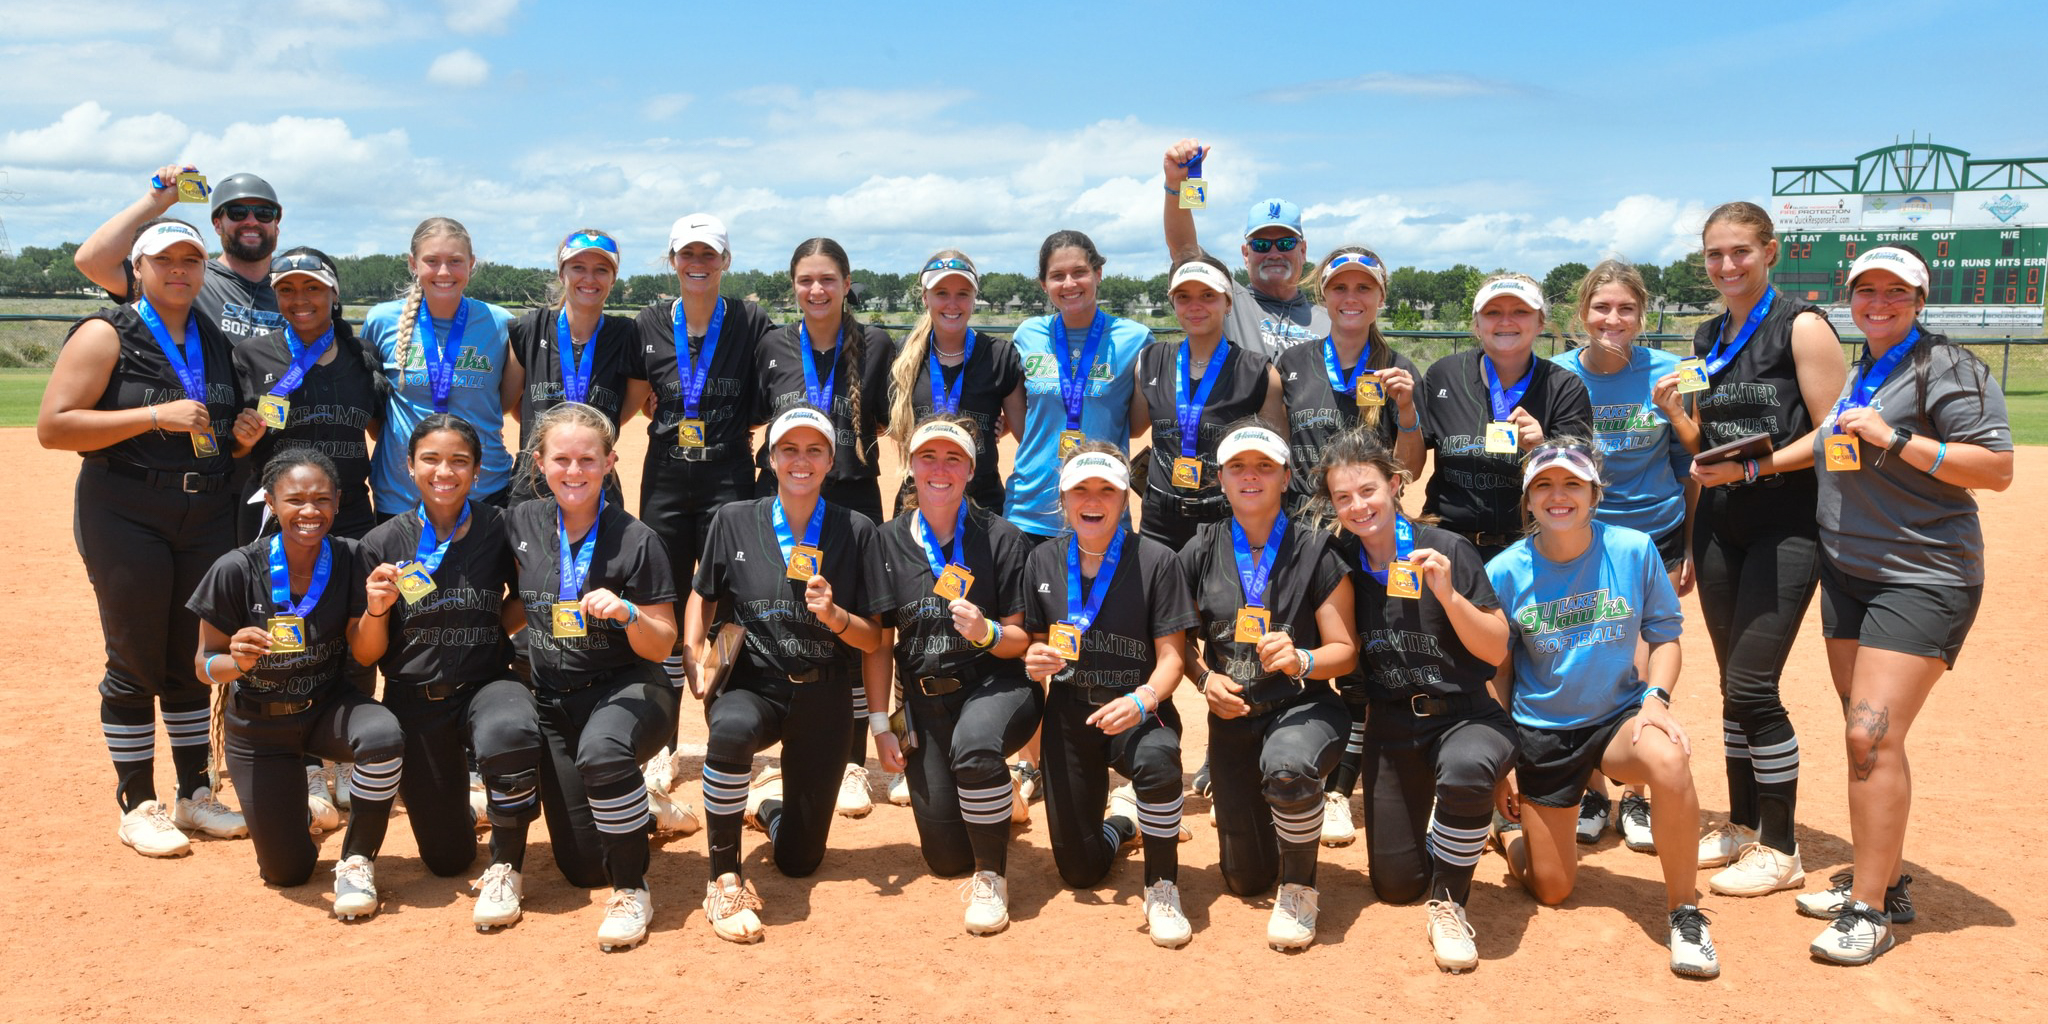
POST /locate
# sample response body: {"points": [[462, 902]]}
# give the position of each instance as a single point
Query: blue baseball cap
{"points": [[1273, 213]]}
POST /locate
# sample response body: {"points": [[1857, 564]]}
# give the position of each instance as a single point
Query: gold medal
{"points": [[1843, 456], [1501, 438], [287, 634], [568, 619], [690, 434], [1194, 194], [953, 583], [1069, 440], [1403, 580], [1187, 473], [1371, 393], [1692, 376], [204, 446], [414, 581], [1065, 639], [192, 187], [275, 410], [1252, 623], [803, 562]]}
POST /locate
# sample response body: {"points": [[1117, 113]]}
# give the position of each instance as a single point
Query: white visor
{"points": [[1530, 295], [158, 237], [1894, 259], [1252, 439], [800, 418], [939, 430], [1095, 466], [1571, 460], [1199, 270]]}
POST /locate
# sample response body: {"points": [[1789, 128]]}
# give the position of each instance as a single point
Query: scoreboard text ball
{"points": [[1971, 266]]}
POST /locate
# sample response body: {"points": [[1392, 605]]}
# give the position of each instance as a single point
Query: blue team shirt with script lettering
{"points": [[1575, 625], [479, 369], [1032, 495], [1647, 465]]}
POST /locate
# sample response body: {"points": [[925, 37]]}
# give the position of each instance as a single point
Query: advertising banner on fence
{"points": [[2001, 208], [1795, 212], [1908, 209]]}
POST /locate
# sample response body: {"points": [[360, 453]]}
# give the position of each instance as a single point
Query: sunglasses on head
{"points": [[1285, 243], [948, 263], [590, 240], [299, 262], [1351, 258], [263, 213]]}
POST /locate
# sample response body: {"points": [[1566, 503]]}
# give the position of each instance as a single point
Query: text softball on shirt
{"points": [[1627, 427], [1585, 620], [1042, 375]]}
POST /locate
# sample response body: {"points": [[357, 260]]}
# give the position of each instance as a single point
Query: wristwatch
{"points": [[1900, 436], [1660, 693]]}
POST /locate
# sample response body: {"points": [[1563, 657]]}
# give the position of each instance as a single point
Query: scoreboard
{"points": [[1971, 266]]}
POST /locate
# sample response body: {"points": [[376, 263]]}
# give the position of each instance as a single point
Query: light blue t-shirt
{"points": [[479, 370], [1575, 625], [1032, 495], [1647, 465]]}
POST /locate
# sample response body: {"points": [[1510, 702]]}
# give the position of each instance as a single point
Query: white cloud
{"points": [[1390, 83], [475, 16], [666, 105], [464, 69], [1644, 228], [88, 135]]}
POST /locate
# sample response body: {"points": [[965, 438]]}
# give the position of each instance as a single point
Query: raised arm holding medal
{"points": [[1276, 626], [1272, 315], [233, 292]]}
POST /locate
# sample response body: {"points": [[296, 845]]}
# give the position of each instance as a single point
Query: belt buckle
{"points": [[927, 691], [427, 692], [192, 483], [808, 676], [1415, 706]]}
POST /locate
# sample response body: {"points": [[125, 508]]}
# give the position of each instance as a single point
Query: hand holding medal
{"points": [[383, 589], [1277, 653], [248, 646]]}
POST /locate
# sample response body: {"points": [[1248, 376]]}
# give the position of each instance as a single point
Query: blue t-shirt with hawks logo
{"points": [[1032, 496]]}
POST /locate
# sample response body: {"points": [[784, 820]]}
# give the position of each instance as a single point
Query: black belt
{"points": [[1254, 709], [1422, 705], [938, 686], [1489, 540], [269, 708], [1095, 696], [190, 483], [437, 691], [705, 453]]}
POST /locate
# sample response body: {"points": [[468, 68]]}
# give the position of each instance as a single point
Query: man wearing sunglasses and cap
{"points": [[1272, 315], [235, 295]]}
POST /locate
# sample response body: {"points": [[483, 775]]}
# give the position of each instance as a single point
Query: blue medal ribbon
{"points": [[694, 372], [1505, 399], [1404, 546], [1254, 577], [303, 358], [1074, 374], [820, 396], [787, 540], [1188, 410], [1725, 352], [1874, 375], [1084, 617], [440, 357], [1341, 382], [188, 361], [575, 567], [575, 370], [945, 399], [429, 552], [281, 579], [935, 553]]}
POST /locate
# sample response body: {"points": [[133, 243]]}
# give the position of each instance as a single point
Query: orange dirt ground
{"points": [[100, 933]]}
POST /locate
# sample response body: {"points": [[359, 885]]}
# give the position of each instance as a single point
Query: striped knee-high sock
{"points": [[1344, 778], [857, 740], [1455, 843], [511, 804], [725, 803], [1742, 809], [130, 732], [371, 789], [619, 810], [986, 812], [1159, 823], [1777, 790], [191, 747], [1300, 833]]}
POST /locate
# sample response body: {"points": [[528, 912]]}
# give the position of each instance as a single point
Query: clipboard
{"points": [[1755, 446], [716, 658]]}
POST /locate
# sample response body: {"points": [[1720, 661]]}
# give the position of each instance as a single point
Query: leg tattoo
{"points": [[1875, 722]]}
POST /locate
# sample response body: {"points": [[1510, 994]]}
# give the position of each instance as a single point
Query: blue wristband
{"points": [[1939, 454], [1141, 707], [632, 612]]}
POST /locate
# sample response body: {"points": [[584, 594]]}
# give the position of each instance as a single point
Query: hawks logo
{"points": [[1273, 210]]}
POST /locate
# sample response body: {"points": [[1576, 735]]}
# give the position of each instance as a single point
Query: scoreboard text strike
{"points": [[1972, 266]]}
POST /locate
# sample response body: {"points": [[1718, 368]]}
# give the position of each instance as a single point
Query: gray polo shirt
{"points": [[1270, 326]]}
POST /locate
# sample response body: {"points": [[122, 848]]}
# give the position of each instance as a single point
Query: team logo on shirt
{"points": [[1573, 612], [1045, 588], [739, 556]]}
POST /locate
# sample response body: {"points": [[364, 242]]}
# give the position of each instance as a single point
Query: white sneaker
{"points": [[200, 812], [626, 916], [1634, 823], [1030, 779], [148, 831], [1859, 934], [1163, 916], [342, 774], [899, 789], [322, 816], [1293, 924], [1020, 805], [730, 905], [673, 817], [765, 787], [1123, 803], [355, 888], [497, 898], [1593, 811], [1759, 871], [660, 772], [854, 799], [988, 903], [1337, 827], [1692, 949], [1724, 844], [1450, 936], [479, 803]]}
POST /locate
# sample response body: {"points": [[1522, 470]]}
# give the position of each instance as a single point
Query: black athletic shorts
{"points": [[1555, 763], [1671, 547], [1910, 618]]}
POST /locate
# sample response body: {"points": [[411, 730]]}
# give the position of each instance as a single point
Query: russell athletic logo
{"points": [[2005, 208]]}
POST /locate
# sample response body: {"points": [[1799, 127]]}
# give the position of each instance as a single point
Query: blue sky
{"points": [[1436, 133]]}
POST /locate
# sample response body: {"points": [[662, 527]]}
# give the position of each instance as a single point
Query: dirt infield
{"points": [[100, 933]]}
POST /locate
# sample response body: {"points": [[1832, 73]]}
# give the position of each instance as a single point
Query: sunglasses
{"points": [[243, 211], [948, 263], [590, 240], [1284, 244], [299, 262], [1350, 259]]}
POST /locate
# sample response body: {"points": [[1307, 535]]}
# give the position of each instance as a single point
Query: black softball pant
{"points": [[1344, 778], [1412, 765], [593, 742], [1164, 517], [959, 778], [677, 501], [1077, 758], [811, 721], [1266, 777], [1758, 564], [498, 722], [266, 759], [145, 550]]}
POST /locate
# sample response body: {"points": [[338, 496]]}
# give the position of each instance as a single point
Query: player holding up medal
{"points": [[315, 383], [944, 367], [143, 392], [1903, 569], [437, 628], [442, 352], [549, 366], [1187, 394], [1276, 626], [1109, 620], [1485, 407], [802, 577], [599, 609], [954, 580], [1438, 743], [276, 620]]}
